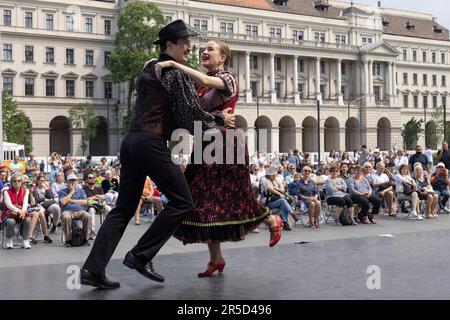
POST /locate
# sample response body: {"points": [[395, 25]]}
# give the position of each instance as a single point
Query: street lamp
{"points": [[318, 125], [257, 124]]}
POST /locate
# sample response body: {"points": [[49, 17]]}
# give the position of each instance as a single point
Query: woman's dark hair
{"points": [[403, 166]]}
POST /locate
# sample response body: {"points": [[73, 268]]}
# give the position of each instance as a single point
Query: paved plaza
{"points": [[330, 263]]}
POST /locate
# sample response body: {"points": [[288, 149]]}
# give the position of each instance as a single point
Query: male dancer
{"points": [[161, 107]]}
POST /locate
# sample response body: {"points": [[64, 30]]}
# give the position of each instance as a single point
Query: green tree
{"points": [[411, 132], [438, 119], [83, 117], [138, 27], [15, 123]]}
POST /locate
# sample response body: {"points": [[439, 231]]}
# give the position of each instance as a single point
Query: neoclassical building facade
{"points": [[371, 68]]}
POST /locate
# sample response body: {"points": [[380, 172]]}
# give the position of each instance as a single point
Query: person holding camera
{"points": [[439, 181], [15, 212], [444, 155], [96, 200]]}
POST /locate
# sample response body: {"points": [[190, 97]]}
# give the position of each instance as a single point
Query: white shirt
{"points": [[429, 155]]}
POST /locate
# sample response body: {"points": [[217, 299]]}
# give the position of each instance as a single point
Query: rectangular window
{"points": [[434, 102], [405, 55], [341, 39], [414, 55], [69, 23], [425, 102], [70, 56], [226, 27], [49, 55], [29, 86], [204, 25], [168, 19], [424, 56], [28, 19], [89, 89], [443, 58], [343, 71], [433, 57], [254, 87], [107, 27], [376, 69], [377, 93], [415, 81], [444, 101], [405, 101], [319, 37], [49, 21], [108, 90], [7, 52], [301, 65], [322, 91], [425, 80], [50, 87], [251, 30], [434, 80], [278, 64], [278, 89], [70, 88], [444, 81], [29, 53], [369, 40], [253, 62], [275, 32], [322, 67], [8, 85], [89, 57], [89, 28], [7, 18], [405, 78], [416, 102], [364, 40], [297, 35], [107, 58], [300, 88]]}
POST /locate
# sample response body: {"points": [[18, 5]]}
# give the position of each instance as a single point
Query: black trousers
{"points": [[142, 154], [365, 202]]}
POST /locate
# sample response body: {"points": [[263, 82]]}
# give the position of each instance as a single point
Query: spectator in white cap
{"points": [[73, 202]]}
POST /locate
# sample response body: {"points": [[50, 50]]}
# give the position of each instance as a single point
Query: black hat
{"points": [[174, 30]]}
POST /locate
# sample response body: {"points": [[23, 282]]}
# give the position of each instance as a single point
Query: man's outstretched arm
{"points": [[184, 104]]}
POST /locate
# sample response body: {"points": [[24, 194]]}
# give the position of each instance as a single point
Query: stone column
{"points": [[295, 91], [251, 144], [389, 84], [370, 77], [298, 138], [339, 93], [273, 93], [275, 133], [366, 77], [248, 89]]}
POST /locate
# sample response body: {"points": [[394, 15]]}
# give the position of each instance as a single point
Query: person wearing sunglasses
{"points": [[308, 196]]}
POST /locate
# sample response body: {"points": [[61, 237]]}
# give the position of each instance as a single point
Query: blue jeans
{"points": [[444, 195], [284, 207]]}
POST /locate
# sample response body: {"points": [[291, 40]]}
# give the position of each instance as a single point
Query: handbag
{"points": [[407, 188], [47, 204]]}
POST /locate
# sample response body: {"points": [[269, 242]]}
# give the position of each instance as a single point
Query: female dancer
{"points": [[224, 207]]}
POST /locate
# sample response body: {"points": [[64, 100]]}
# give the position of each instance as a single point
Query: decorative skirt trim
{"points": [[226, 223]]}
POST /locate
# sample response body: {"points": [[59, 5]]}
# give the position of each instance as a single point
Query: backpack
{"points": [[77, 233], [344, 218]]}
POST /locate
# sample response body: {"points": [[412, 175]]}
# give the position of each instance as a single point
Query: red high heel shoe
{"points": [[212, 267], [274, 240]]}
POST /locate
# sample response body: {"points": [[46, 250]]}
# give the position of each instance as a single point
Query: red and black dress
{"points": [[225, 208]]}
